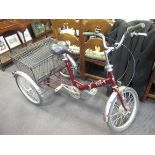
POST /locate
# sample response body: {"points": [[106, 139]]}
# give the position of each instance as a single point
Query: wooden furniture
{"points": [[149, 92], [60, 24], [67, 30], [68, 37], [44, 21], [14, 25], [80, 40], [41, 28], [91, 25], [8, 25]]}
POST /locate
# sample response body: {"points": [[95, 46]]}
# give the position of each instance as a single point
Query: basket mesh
{"points": [[37, 59]]}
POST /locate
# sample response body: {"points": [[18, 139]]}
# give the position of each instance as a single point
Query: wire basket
{"points": [[37, 59]]}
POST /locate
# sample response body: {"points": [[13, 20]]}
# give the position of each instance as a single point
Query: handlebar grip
{"points": [[88, 33], [135, 27]]}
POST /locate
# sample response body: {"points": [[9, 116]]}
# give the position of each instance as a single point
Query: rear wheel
{"points": [[29, 89], [118, 118]]}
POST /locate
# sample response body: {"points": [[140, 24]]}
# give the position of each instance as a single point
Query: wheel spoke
{"points": [[124, 118], [116, 120], [129, 99], [128, 115], [130, 103], [124, 95], [119, 118], [115, 114]]}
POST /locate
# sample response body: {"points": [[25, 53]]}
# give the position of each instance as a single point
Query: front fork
{"points": [[115, 87], [121, 97]]}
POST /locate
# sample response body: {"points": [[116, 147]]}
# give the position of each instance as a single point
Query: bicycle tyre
{"points": [[31, 85], [115, 100]]}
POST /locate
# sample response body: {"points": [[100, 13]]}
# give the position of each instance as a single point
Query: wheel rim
{"points": [[119, 116], [28, 90]]}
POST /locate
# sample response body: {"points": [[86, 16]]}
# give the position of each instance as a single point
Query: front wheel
{"points": [[120, 119]]}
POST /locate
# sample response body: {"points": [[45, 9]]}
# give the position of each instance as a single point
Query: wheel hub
{"points": [[123, 111]]}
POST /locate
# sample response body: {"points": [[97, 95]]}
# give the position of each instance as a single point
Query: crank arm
{"points": [[58, 88]]}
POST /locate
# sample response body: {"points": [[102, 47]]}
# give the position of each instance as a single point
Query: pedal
{"points": [[92, 91], [58, 88]]}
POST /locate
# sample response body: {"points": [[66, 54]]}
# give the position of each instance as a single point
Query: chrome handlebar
{"points": [[130, 30]]}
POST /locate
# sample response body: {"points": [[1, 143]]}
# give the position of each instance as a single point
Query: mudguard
{"points": [[16, 73]]}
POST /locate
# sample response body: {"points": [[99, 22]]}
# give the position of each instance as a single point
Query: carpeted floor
{"points": [[62, 114]]}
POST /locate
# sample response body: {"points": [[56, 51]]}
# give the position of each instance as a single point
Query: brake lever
{"points": [[138, 34], [116, 45]]}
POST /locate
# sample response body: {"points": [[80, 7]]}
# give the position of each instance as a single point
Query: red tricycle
{"points": [[40, 62]]}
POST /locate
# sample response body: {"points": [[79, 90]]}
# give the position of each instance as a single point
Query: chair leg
{"points": [[149, 85]]}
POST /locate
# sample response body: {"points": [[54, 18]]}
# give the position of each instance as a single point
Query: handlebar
{"points": [[138, 34], [130, 29], [135, 27], [97, 34]]}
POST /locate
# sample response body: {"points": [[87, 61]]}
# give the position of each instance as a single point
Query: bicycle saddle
{"points": [[59, 48]]}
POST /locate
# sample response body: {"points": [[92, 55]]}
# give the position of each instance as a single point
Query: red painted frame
{"points": [[98, 83], [95, 84]]}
